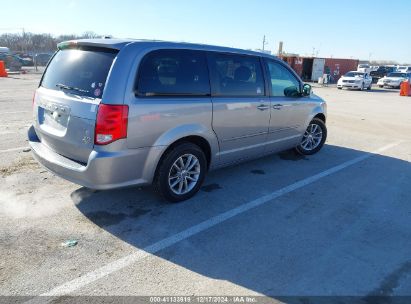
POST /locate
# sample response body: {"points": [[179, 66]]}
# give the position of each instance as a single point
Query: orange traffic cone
{"points": [[405, 88], [3, 72]]}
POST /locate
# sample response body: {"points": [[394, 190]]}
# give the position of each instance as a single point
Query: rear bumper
{"points": [[104, 170]]}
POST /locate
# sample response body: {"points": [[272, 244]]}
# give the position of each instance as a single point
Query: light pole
{"points": [[264, 42]]}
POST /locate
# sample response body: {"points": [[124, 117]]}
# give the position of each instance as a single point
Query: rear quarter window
{"points": [[79, 71]]}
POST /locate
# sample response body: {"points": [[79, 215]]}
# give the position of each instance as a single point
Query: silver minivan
{"points": [[112, 113]]}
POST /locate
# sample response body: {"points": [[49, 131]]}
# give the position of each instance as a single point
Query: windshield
{"points": [[397, 75], [363, 66], [354, 74], [79, 71]]}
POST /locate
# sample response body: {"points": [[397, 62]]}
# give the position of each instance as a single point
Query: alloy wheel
{"points": [[312, 137], [184, 174]]}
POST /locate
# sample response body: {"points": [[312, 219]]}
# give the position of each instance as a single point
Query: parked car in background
{"points": [[26, 59], [355, 80], [28, 62], [374, 68], [42, 59], [393, 80], [12, 62], [113, 113], [404, 69], [365, 68], [381, 72]]}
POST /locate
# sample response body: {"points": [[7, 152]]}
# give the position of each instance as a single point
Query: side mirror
{"points": [[306, 89]]}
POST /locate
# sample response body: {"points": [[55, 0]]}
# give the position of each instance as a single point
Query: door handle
{"points": [[263, 107], [277, 106]]}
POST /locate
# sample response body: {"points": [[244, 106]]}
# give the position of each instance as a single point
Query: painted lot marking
{"points": [[14, 149], [15, 112], [14, 126], [140, 254]]}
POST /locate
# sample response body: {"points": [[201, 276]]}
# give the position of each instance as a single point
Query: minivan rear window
{"points": [[79, 71]]}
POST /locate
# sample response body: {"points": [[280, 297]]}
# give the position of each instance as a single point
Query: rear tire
{"points": [[369, 87], [312, 144], [180, 172]]}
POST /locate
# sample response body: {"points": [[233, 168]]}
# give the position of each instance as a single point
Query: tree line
{"points": [[38, 43], [30, 43]]}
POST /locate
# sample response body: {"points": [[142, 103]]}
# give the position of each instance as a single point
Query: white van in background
{"points": [[364, 68], [4, 50]]}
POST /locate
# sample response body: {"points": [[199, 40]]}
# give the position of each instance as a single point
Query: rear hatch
{"points": [[65, 105]]}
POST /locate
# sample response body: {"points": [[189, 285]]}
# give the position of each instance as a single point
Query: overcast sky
{"points": [[366, 29]]}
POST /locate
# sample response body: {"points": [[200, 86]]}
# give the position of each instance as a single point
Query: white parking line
{"points": [[15, 112], [140, 254], [14, 149]]}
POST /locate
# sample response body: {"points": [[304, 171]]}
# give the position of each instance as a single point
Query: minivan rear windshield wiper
{"points": [[66, 87]]}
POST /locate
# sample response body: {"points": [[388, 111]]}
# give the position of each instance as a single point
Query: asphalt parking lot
{"points": [[336, 223]]}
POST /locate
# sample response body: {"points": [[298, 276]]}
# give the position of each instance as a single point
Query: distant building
{"points": [[311, 68]]}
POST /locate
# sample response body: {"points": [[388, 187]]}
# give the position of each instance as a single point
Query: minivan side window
{"points": [[236, 75], [283, 82], [173, 73]]}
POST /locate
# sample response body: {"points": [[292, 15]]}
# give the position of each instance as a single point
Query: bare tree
{"points": [[90, 35], [38, 43]]}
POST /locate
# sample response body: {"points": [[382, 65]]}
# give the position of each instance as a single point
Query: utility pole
{"points": [[280, 48], [23, 42], [264, 42]]}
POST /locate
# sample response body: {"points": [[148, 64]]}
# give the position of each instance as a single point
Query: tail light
{"points": [[111, 123]]}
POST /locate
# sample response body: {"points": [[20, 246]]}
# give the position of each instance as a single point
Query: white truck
{"points": [[364, 68]]}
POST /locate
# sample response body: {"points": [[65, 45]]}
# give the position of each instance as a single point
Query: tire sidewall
{"points": [[165, 166], [323, 127]]}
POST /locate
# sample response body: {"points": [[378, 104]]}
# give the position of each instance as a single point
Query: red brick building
{"points": [[310, 68]]}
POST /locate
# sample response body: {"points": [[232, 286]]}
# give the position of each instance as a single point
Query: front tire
{"points": [[181, 172], [314, 138]]}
